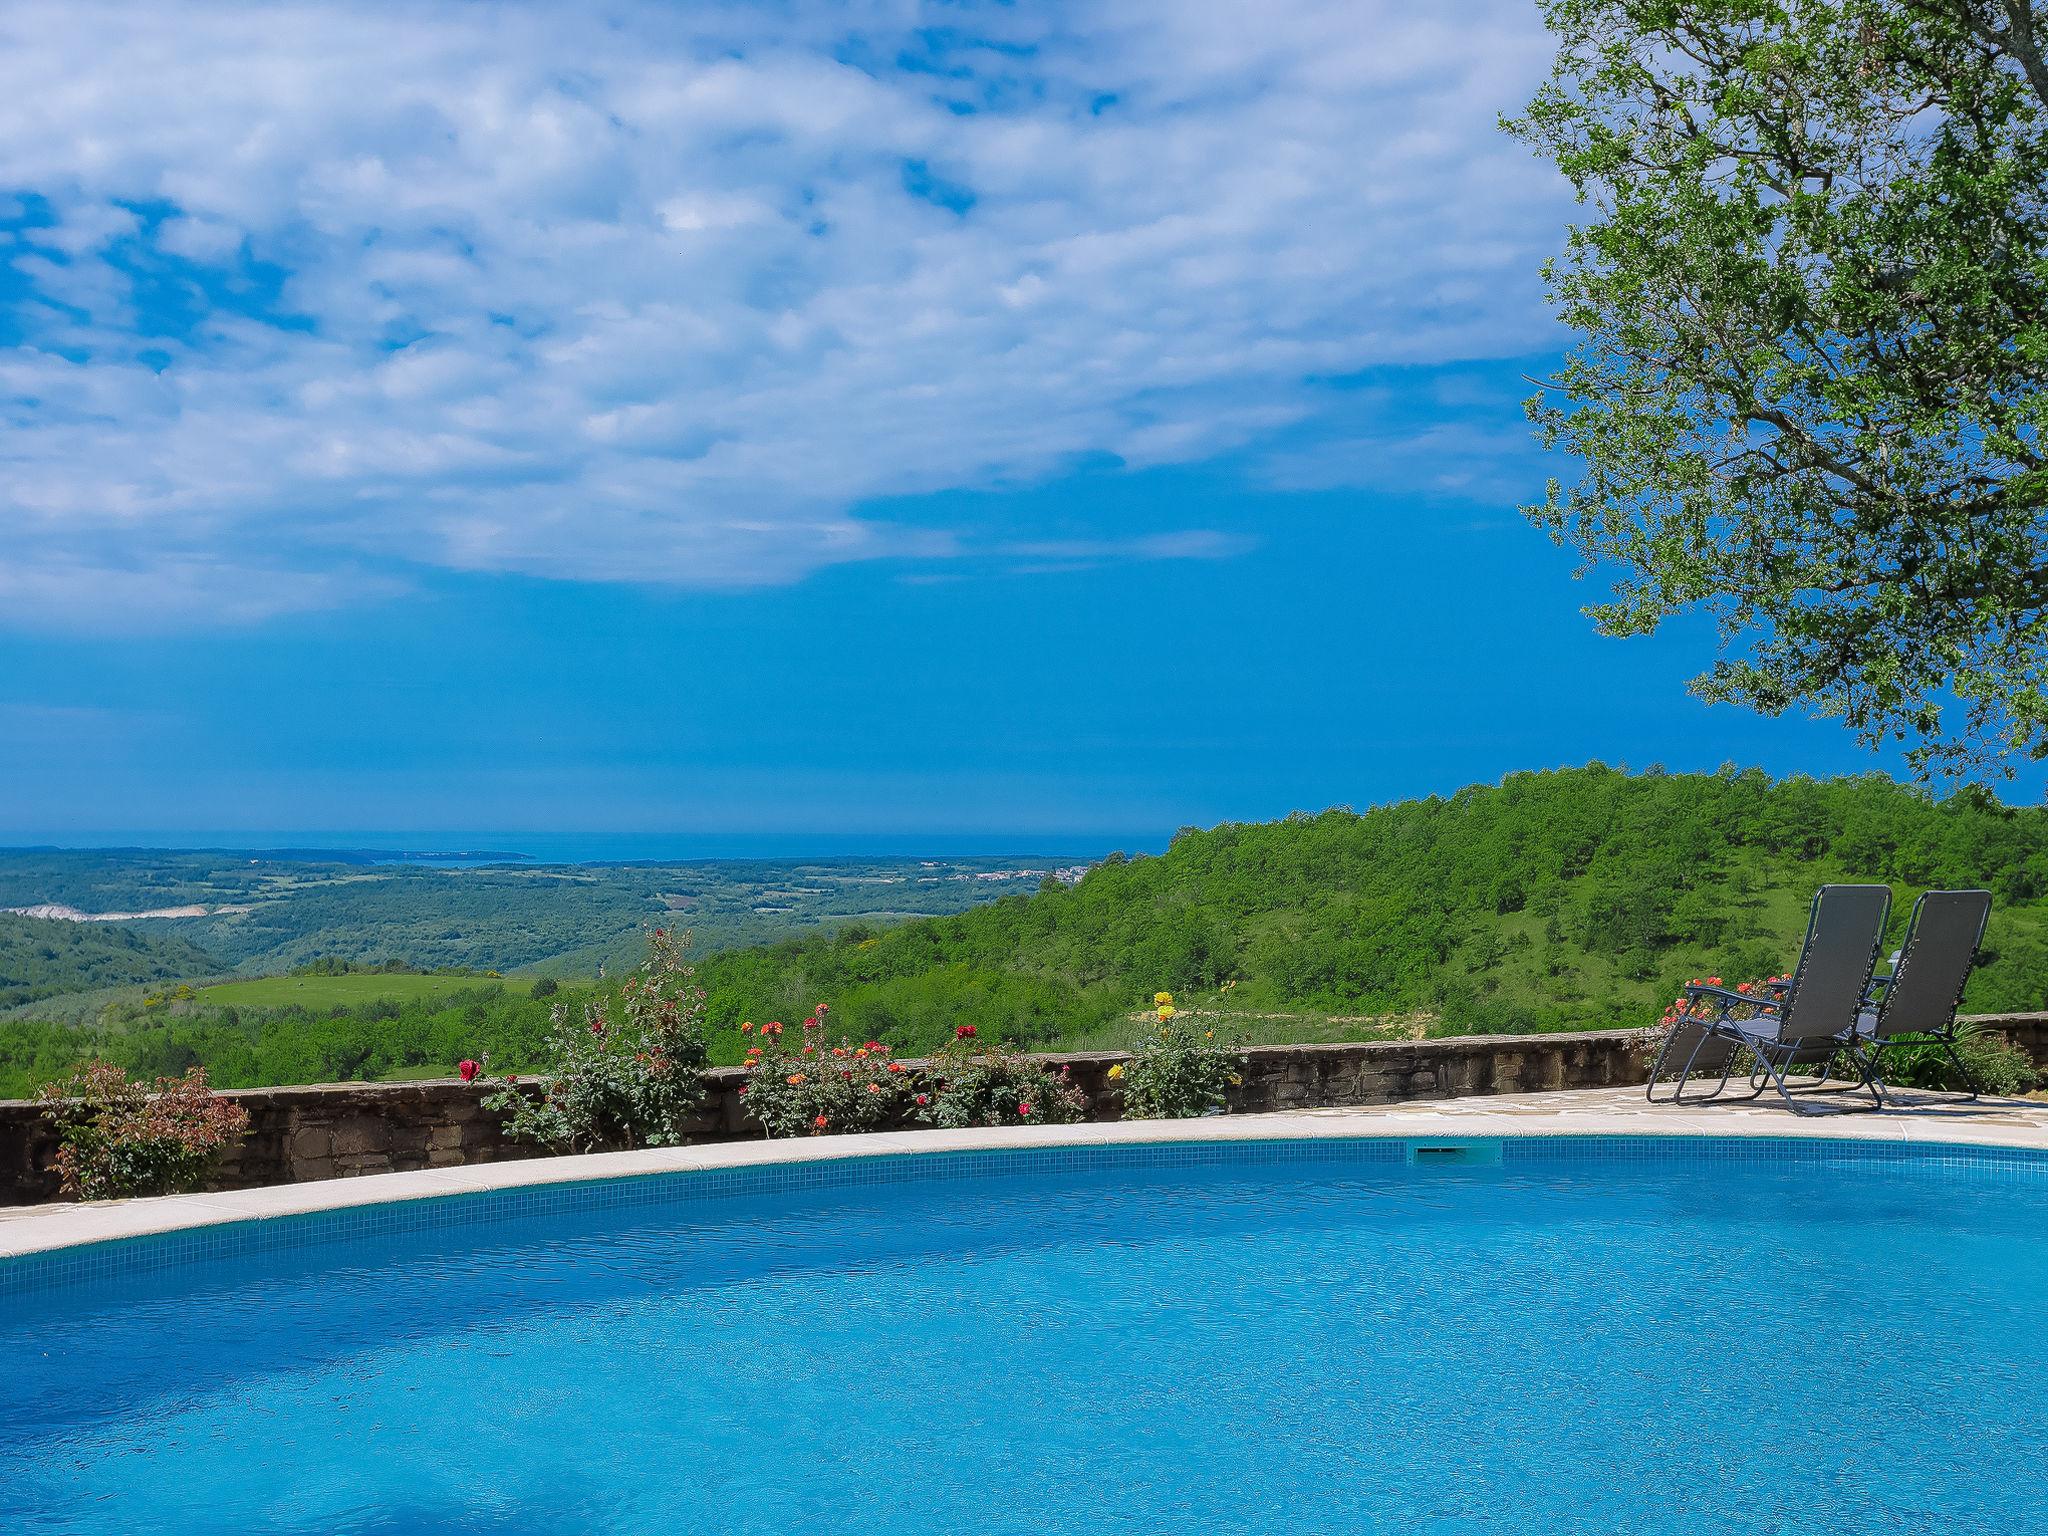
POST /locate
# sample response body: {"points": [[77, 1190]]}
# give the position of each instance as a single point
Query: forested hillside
{"points": [[41, 958], [1559, 900]]}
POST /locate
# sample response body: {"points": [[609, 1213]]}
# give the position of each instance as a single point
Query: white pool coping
{"points": [[46, 1228]]}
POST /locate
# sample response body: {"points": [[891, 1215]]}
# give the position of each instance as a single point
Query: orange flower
{"points": [[794, 1078]]}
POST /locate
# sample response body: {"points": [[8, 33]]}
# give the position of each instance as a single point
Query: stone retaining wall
{"points": [[336, 1130]]}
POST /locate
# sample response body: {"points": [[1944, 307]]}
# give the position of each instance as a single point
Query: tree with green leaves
{"points": [[1811, 293]]}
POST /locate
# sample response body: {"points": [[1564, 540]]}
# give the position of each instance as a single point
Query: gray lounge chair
{"points": [[1917, 1003], [1810, 1022]]}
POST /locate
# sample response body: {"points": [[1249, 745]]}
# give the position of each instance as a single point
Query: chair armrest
{"points": [[1730, 997]]}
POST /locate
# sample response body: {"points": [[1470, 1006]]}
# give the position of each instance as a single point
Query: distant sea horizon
{"points": [[599, 847]]}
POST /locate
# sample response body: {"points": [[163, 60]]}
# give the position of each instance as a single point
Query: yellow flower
{"points": [[1208, 1034], [1162, 998], [1167, 1011], [1236, 1081], [1116, 1071]]}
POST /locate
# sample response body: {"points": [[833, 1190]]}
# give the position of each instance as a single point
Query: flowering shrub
{"points": [[1697, 1012], [120, 1138], [801, 1085], [967, 1084], [627, 1081], [1178, 1070]]}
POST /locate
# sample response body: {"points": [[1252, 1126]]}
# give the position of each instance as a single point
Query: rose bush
{"points": [[118, 1138], [1178, 1068], [803, 1085], [624, 1072], [968, 1084]]}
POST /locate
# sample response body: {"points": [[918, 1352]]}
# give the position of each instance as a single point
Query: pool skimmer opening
{"points": [[1453, 1154]]}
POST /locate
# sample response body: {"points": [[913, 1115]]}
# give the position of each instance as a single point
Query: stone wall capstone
{"points": [[336, 1130]]}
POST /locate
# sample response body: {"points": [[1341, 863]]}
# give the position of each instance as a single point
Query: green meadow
{"points": [[319, 994]]}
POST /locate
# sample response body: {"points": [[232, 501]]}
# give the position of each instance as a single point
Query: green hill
{"points": [[44, 957], [1574, 899]]}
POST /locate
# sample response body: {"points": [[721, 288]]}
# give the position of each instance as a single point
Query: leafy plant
{"points": [[117, 1137], [1999, 1066], [967, 1083], [1178, 1069], [803, 1086], [1812, 292], [625, 1075]]}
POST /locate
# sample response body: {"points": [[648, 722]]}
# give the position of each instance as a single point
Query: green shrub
{"points": [[1999, 1066], [803, 1086], [630, 1080], [969, 1084], [118, 1138], [1178, 1069]]}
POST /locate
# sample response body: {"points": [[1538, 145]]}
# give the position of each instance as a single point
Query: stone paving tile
{"points": [[1908, 1105]]}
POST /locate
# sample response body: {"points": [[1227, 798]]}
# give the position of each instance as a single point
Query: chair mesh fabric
{"points": [[1941, 949], [1842, 940]]}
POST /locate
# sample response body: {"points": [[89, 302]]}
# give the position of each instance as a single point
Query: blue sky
{"points": [[1056, 422]]}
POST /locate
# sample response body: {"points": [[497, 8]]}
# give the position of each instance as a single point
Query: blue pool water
{"points": [[1606, 1337]]}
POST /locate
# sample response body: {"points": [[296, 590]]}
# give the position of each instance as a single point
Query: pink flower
{"points": [[1023, 1109], [467, 1070]]}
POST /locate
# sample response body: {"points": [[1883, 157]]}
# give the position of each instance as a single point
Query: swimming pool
{"points": [[1555, 1334]]}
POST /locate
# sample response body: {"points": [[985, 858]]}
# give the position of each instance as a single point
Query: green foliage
{"points": [[1178, 1069], [320, 991], [805, 1085], [1812, 294], [624, 1076], [366, 1041], [1999, 1067], [968, 1083], [42, 957], [1576, 899], [118, 1138]]}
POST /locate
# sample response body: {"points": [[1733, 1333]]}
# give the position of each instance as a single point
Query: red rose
{"points": [[963, 1032], [924, 1098], [467, 1070], [819, 1122], [597, 1026], [1023, 1109]]}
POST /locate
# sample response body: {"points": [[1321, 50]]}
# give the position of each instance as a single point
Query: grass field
{"points": [[323, 992]]}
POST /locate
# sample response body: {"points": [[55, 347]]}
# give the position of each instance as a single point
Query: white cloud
{"points": [[665, 293]]}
